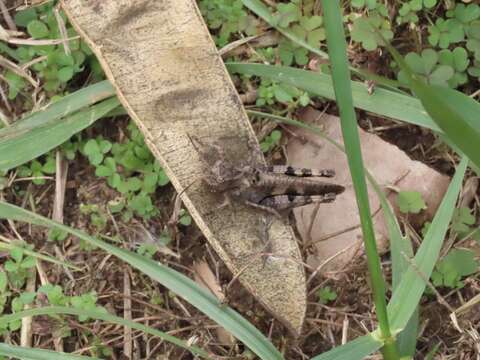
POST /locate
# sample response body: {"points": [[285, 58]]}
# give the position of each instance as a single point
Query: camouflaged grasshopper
{"points": [[276, 189]]}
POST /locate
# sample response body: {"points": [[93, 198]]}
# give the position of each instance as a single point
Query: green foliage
{"points": [[463, 223], [445, 32], [271, 141], [55, 234], [410, 202], [450, 270], [185, 218], [408, 12], [99, 349], [298, 16], [4, 293], [54, 294], [98, 216], [464, 13], [326, 295], [15, 82], [147, 250], [270, 92], [428, 66], [458, 60], [473, 39], [18, 266], [370, 4], [58, 68], [370, 31], [129, 168], [38, 170], [227, 17]]}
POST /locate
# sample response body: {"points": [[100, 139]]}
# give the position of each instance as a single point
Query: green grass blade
{"points": [[382, 102], [67, 105], [337, 49], [20, 144], [38, 354], [9, 246], [56, 310], [407, 296], [171, 279], [356, 349]]}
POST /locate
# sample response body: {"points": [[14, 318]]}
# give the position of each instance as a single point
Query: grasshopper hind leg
{"points": [[300, 172]]}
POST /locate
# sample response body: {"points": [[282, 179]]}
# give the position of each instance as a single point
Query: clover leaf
{"points": [[450, 270], [458, 60], [426, 65], [474, 70], [370, 4], [287, 14], [365, 30], [410, 202], [445, 32], [465, 13], [462, 220], [473, 42]]}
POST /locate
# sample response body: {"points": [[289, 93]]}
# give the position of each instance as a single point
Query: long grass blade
{"points": [[382, 102], [337, 49], [38, 354], [21, 143], [56, 310], [356, 349], [171, 279], [407, 295]]}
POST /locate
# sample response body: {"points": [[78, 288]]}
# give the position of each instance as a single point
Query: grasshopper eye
{"points": [[256, 177]]}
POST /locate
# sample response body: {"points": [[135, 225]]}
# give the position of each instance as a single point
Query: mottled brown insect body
{"points": [[271, 188]]}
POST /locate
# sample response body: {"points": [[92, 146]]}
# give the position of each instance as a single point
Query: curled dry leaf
{"points": [[335, 228]]}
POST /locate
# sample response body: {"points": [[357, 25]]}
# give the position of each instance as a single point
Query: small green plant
{"points": [[4, 293], [408, 12], [458, 60], [270, 92], [98, 217], [463, 223], [271, 141], [38, 170], [452, 268], [445, 32], [18, 266], [130, 168], [428, 67], [464, 13], [227, 17], [54, 294], [99, 349], [473, 39], [326, 295], [17, 305], [410, 202], [59, 67], [370, 31], [55, 234], [298, 16], [369, 4], [147, 249], [185, 218]]}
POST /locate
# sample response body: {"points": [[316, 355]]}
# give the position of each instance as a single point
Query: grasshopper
{"points": [[276, 189]]}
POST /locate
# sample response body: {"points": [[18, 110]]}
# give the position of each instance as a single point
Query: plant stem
{"points": [[337, 48]]}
